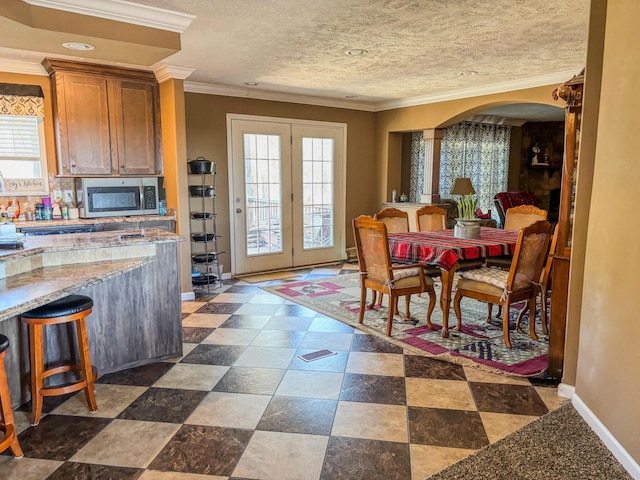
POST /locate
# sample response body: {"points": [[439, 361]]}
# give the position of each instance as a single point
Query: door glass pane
{"points": [[317, 192], [263, 204]]}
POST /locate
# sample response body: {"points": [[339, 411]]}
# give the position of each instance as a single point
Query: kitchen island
{"points": [[134, 281]]}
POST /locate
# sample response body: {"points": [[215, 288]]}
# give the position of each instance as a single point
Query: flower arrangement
{"points": [[467, 207]]}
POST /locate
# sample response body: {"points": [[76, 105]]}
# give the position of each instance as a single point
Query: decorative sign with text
{"points": [[23, 185]]}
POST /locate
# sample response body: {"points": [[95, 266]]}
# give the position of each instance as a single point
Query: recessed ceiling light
{"points": [[468, 73], [78, 46], [351, 96], [356, 52], [251, 84]]}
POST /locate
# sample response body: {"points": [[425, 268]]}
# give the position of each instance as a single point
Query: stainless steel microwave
{"points": [[117, 197]]}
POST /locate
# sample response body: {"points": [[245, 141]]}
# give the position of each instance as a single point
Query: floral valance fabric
{"points": [[21, 100]]}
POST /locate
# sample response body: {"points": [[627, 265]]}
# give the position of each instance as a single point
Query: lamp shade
{"points": [[462, 186]]}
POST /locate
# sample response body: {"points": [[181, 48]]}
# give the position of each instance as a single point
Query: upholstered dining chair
{"points": [[378, 274], [396, 221], [430, 218], [543, 288], [497, 286], [522, 216]]}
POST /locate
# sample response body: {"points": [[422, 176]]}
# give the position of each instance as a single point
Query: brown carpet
{"points": [[557, 446]]}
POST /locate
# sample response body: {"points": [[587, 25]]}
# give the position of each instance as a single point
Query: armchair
{"points": [[506, 200]]}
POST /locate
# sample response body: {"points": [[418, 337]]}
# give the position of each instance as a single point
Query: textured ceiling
{"points": [[415, 47]]}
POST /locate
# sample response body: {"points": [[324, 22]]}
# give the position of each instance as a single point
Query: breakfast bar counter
{"points": [[133, 279]]}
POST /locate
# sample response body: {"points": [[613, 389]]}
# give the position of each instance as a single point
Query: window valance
{"points": [[24, 100]]}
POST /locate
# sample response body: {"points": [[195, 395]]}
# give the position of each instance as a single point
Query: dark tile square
{"points": [[334, 363], [195, 334], [348, 458], [501, 398], [59, 437], [214, 354], [252, 322], [72, 470], [299, 415], [371, 343], [169, 405], [219, 307], [325, 324], [373, 389], [143, 376], [185, 315], [294, 310], [204, 296], [424, 367], [242, 289], [204, 450], [256, 381], [443, 427]]}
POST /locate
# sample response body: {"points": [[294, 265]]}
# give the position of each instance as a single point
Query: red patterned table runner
{"points": [[441, 248]]}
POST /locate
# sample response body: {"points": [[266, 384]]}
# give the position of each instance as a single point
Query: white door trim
{"points": [[258, 118]]}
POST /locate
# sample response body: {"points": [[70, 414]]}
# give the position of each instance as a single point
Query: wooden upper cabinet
{"points": [[107, 119]]}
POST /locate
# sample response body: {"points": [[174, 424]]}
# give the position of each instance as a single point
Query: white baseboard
{"points": [[186, 296], [605, 435], [566, 391]]}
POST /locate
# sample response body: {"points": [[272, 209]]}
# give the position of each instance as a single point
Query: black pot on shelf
{"points": [[204, 258], [201, 190], [204, 279], [200, 166], [202, 237], [202, 215]]}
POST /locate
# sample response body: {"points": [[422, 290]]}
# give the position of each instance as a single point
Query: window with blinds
{"points": [[22, 154]]}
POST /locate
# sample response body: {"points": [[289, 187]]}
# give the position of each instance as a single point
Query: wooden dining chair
{"points": [[430, 218], [522, 216], [396, 221], [378, 274], [497, 286], [543, 288]]}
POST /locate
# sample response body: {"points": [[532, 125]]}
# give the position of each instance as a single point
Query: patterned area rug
{"points": [[479, 343]]}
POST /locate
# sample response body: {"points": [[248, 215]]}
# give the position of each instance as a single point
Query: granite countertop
{"points": [[26, 291], [93, 221], [72, 241]]}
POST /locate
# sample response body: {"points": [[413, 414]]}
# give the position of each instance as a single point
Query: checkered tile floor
{"points": [[240, 404]]}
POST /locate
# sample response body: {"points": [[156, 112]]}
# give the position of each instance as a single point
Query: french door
{"points": [[286, 192]]}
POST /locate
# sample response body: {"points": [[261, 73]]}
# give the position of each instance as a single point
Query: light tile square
{"points": [[499, 425], [330, 340], [265, 357], [111, 399], [300, 383], [282, 456], [427, 460], [189, 376], [127, 443], [26, 468], [191, 306], [232, 298], [207, 320], [266, 298], [550, 397], [476, 375], [157, 475], [370, 363], [186, 349], [426, 392], [233, 410], [231, 336], [371, 420]]}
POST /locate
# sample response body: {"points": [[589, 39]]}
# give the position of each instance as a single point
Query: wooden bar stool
{"points": [[9, 439], [74, 308]]}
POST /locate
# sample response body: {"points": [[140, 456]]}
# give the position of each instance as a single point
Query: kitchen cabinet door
{"points": [[135, 107], [84, 143]]}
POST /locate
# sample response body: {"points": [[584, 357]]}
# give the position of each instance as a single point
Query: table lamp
{"points": [[467, 225]]}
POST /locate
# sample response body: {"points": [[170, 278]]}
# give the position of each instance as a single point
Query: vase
{"points": [[467, 228]]}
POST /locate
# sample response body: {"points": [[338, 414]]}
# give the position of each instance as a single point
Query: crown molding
{"points": [[10, 65], [227, 91], [165, 72], [122, 11], [520, 84]]}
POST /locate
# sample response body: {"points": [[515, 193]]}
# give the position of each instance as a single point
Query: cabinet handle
{"points": [[73, 165], [121, 166]]}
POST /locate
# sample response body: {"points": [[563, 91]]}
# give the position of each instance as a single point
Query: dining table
{"points": [[450, 254]]}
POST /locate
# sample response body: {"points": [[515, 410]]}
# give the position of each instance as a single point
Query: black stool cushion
{"points": [[61, 308], [4, 343]]}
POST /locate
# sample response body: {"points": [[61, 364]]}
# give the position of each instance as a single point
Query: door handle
{"points": [[238, 210]]}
